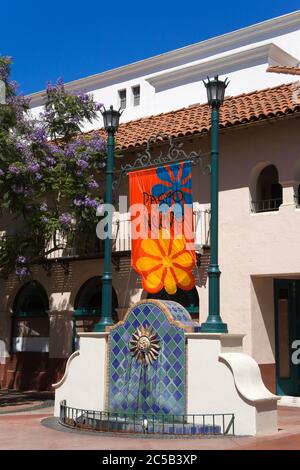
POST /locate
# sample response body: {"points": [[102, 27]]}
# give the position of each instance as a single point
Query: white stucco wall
{"points": [[174, 80], [263, 244]]}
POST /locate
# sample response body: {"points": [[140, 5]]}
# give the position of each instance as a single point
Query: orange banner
{"points": [[162, 239]]}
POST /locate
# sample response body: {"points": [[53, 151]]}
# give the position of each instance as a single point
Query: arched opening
{"points": [[296, 178], [268, 191], [30, 320], [87, 306], [187, 298], [297, 197]]}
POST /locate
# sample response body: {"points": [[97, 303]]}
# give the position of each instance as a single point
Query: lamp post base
{"points": [[101, 326], [213, 325]]}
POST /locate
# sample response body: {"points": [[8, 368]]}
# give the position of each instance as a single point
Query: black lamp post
{"points": [[215, 95], [111, 119]]}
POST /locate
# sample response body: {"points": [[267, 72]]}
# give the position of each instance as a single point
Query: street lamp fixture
{"points": [[216, 91], [111, 119], [215, 96]]}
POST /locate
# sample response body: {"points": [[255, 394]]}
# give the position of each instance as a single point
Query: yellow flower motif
{"points": [[166, 264]]}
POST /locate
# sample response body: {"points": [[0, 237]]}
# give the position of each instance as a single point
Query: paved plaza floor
{"points": [[25, 419]]}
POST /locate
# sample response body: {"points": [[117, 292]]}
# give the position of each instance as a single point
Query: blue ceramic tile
{"points": [[160, 387]]}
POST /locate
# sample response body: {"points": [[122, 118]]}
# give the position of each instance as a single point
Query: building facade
{"points": [[259, 207]]}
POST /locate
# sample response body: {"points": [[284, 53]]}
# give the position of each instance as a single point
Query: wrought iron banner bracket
{"points": [[175, 153]]}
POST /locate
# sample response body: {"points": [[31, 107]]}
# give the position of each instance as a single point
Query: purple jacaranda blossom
{"points": [[84, 97], [39, 135], [33, 167], [50, 161], [82, 164], [14, 170], [65, 219], [22, 146], [55, 149], [50, 87], [43, 207], [78, 202], [70, 150], [24, 149], [1, 172], [48, 115], [96, 143], [79, 173], [21, 272], [84, 155], [76, 119], [98, 106], [44, 219], [72, 147], [85, 201], [29, 192], [13, 85], [17, 189], [89, 202], [92, 184], [19, 103], [21, 260], [59, 85], [38, 176]]}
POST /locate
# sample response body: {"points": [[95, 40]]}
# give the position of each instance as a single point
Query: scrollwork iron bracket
{"points": [[175, 153]]}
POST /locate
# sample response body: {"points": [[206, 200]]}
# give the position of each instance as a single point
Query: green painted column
{"points": [[214, 322], [106, 307]]}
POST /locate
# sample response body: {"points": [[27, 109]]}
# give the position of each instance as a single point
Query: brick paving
{"points": [[27, 430]]}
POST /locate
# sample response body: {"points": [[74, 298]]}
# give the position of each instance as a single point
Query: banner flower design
{"points": [[175, 186], [166, 263], [162, 240]]}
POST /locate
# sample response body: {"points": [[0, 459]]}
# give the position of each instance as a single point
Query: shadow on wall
{"points": [[32, 371], [263, 320]]}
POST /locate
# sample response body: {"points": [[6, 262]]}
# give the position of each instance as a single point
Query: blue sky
{"points": [[72, 39]]}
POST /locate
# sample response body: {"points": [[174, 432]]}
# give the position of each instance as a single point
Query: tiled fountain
{"points": [[157, 366], [153, 332]]}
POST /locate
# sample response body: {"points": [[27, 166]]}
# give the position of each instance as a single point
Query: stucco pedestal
{"points": [[222, 379], [84, 381]]}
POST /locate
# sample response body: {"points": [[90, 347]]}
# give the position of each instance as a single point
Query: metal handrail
{"points": [[214, 424], [266, 205], [81, 245]]}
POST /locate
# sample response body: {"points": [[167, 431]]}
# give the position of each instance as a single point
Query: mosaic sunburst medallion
{"points": [[145, 346]]}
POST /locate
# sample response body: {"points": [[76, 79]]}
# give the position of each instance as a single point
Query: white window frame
{"points": [[121, 99], [135, 96]]}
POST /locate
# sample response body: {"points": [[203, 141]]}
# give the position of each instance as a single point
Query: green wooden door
{"points": [[287, 331]]}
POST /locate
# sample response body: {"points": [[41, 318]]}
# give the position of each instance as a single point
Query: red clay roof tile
{"points": [[241, 109], [284, 69]]}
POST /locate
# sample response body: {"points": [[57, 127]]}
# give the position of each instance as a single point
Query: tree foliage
{"points": [[49, 170]]}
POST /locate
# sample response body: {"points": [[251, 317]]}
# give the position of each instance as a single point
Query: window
{"points": [[136, 95], [87, 307], [297, 199], [30, 321], [268, 194], [122, 98]]}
